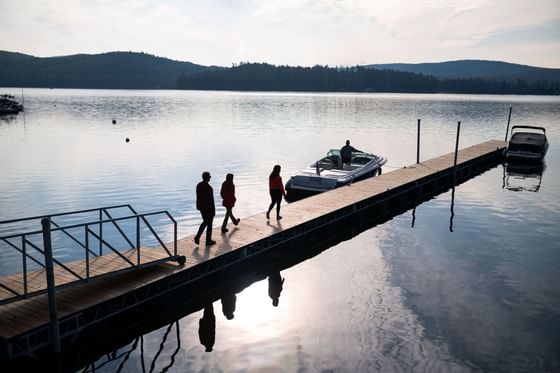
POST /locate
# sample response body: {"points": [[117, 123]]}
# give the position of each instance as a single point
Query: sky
{"points": [[289, 32]]}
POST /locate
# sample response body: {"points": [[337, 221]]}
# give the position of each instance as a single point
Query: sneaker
{"points": [[224, 230], [210, 243], [237, 221], [196, 240]]}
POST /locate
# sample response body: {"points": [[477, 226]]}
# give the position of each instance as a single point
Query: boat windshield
{"points": [[333, 152]]}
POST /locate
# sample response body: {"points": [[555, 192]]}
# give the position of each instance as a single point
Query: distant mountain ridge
{"points": [[494, 70], [136, 70], [124, 70]]}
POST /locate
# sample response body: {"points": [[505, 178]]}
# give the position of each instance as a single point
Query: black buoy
{"points": [[127, 139], [114, 121]]}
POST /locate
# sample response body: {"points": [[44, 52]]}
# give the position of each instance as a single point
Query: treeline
{"points": [[266, 77]]}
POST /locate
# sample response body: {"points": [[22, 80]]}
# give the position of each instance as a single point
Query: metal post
{"points": [[138, 240], [175, 238], [509, 118], [456, 151], [54, 330], [24, 250], [418, 144], [86, 232], [100, 232]]}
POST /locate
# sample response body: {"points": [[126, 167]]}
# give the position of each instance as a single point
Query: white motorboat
{"points": [[329, 172]]}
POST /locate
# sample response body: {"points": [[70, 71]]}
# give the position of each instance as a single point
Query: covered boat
{"points": [[9, 105], [527, 146], [329, 173]]}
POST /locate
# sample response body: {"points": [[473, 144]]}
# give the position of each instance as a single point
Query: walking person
{"points": [[228, 201], [205, 204], [276, 188]]}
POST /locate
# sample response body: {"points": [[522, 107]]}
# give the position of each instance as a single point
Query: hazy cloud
{"points": [[334, 32]]}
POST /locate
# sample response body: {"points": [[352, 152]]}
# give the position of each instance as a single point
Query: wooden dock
{"points": [[24, 324]]}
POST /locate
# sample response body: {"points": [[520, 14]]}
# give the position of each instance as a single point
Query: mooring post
{"points": [[138, 241], [509, 118], [418, 144], [47, 243], [456, 151]]}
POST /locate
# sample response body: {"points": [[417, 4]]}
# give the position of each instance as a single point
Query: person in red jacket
{"points": [[276, 188], [205, 204], [228, 196]]}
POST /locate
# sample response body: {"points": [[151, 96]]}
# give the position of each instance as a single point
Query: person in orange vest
{"points": [[276, 189]]}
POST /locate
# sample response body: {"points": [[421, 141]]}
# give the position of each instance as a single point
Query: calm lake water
{"points": [[465, 290]]}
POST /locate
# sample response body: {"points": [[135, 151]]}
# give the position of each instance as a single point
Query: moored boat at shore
{"points": [[329, 173], [527, 145], [9, 105]]}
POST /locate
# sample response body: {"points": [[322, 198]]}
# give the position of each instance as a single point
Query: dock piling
{"points": [[47, 243], [418, 143], [507, 129], [456, 152]]}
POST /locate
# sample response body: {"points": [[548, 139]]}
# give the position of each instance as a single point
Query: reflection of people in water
{"points": [[275, 282], [207, 328], [228, 305]]}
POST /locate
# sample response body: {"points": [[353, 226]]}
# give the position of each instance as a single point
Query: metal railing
{"points": [[92, 231]]}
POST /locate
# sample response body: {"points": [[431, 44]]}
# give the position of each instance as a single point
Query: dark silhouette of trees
{"points": [[266, 77], [130, 70]]}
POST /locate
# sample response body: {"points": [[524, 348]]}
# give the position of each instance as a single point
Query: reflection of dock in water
{"points": [[24, 325]]}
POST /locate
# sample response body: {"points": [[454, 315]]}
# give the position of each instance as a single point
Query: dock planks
{"points": [[23, 316]]}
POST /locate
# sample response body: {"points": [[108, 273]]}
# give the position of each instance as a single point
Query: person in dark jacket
{"points": [[228, 196], [205, 204], [276, 189], [346, 152]]}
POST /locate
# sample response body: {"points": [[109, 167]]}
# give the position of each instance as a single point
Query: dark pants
{"points": [[276, 198], [207, 219], [229, 215]]}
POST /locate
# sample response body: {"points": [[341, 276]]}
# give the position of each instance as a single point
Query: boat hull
{"points": [[299, 187], [527, 146]]}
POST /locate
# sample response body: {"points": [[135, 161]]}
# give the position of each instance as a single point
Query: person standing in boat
{"points": [[205, 204], [346, 152], [276, 189], [228, 201]]}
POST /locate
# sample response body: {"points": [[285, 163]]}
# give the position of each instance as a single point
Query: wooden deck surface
{"points": [[101, 265], [21, 316]]}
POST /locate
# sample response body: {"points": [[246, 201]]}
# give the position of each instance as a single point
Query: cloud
{"points": [[334, 32]]}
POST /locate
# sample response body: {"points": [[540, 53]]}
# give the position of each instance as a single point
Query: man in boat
{"points": [[346, 152]]}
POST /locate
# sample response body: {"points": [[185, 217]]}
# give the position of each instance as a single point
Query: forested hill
{"points": [[265, 77], [494, 70], [123, 70], [131, 70]]}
